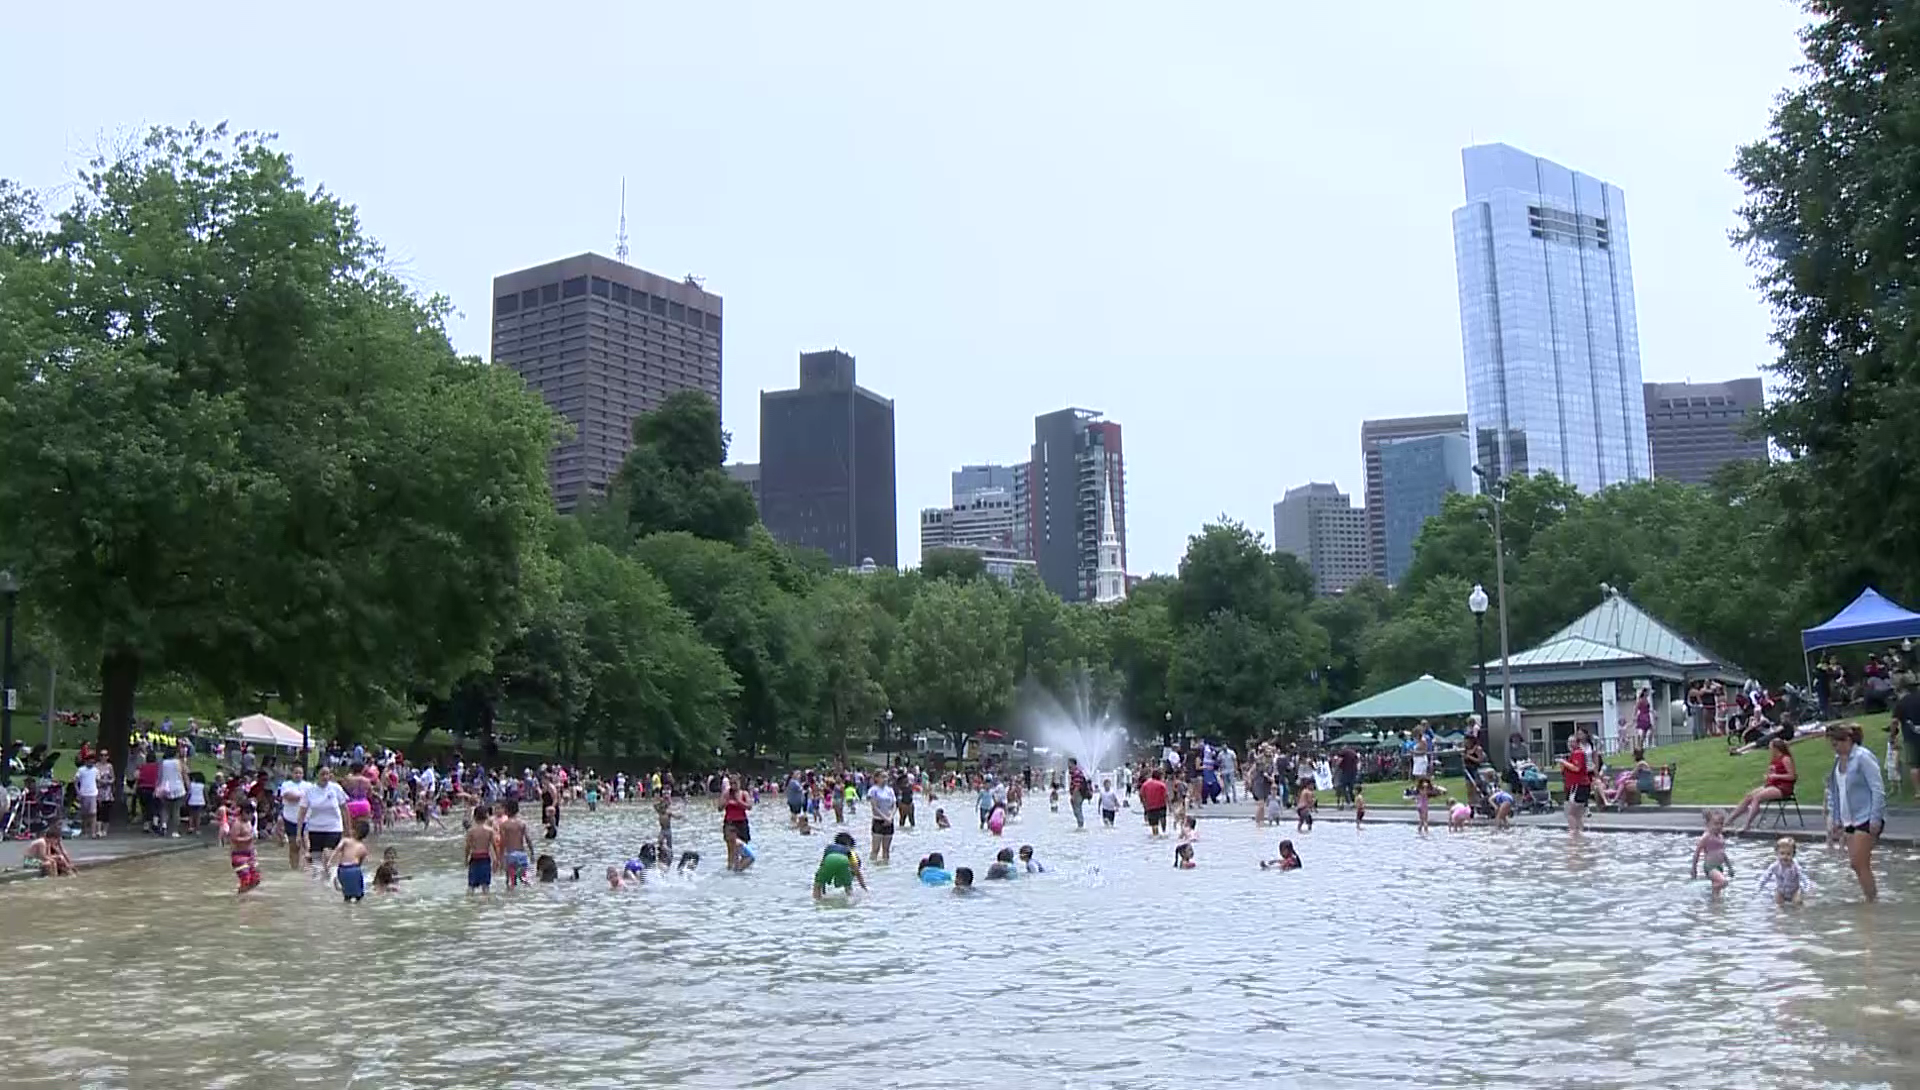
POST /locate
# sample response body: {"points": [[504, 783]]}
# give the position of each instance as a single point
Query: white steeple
{"points": [[1112, 576]]}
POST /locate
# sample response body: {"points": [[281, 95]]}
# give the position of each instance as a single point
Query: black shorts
{"points": [[1871, 828], [742, 831], [794, 808], [322, 842], [1157, 817], [1582, 793], [882, 827], [292, 828]]}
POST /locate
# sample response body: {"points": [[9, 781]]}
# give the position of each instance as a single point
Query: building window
{"points": [[657, 305], [713, 323], [676, 312], [573, 288], [549, 293], [506, 304], [602, 288], [622, 294]]}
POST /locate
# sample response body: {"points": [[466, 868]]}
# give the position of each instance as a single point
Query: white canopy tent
{"points": [[262, 729]]}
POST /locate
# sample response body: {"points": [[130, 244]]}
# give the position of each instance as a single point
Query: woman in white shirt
{"points": [[172, 791], [293, 792], [323, 815], [86, 784]]}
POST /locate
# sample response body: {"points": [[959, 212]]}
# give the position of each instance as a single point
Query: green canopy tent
{"points": [[1425, 697]]}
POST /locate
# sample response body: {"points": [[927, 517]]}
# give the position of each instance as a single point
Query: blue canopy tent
{"points": [[1870, 618]]}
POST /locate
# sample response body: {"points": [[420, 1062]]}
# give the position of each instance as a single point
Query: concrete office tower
{"points": [[981, 478], [1697, 427], [1416, 477], [602, 342], [1077, 476], [1372, 434], [826, 464], [983, 519], [747, 473], [1547, 322], [1319, 524]]}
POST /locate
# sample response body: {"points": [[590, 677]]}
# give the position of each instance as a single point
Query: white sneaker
{"points": [[176, 836]]}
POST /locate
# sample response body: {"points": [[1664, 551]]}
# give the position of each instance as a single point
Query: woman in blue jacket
{"points": [[1856, 802]]}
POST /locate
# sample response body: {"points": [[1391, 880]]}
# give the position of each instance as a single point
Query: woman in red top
{"points": [[1578, 776], [733, 823], [1781, 776]]}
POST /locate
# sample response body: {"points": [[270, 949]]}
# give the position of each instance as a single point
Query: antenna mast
{"points": [[620, 240]]}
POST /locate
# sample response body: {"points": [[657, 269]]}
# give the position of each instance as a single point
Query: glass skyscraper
{"points": [[1547, 321]]}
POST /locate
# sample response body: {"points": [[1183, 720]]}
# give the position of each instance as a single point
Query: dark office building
{"points": [[1372, 434], [826, 464], [1077, 472], [1695, 428], [603, 342]]}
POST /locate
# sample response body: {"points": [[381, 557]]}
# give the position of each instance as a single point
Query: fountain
{"points": [[1075, 729]]}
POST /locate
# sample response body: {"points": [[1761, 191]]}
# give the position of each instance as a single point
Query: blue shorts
{"points": [[480, 872], [517, 864], [353, 883]]}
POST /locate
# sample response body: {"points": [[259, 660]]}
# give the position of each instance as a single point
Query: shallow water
{"points": [[1465, 960]]}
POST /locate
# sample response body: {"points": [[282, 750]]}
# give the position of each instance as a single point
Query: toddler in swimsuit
{"points": [[1711, 849], [1783, 876]]}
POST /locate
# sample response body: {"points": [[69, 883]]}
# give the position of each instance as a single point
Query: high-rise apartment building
{"points": [[826, 464], [1075, 480], [1372, 434], [1697, 427], [1547, 321], [1417, 474], [602, 342], [1319, 524]]}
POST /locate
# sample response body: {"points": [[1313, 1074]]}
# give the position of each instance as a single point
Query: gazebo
{"points": [[1425, 697]]}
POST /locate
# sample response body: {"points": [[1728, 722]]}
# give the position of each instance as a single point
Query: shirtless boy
{"points": [[51, 854], [513, 845], [480, 844], [348, 860]]}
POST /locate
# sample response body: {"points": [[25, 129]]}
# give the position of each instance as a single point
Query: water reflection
{"points": [[1468, 960]]}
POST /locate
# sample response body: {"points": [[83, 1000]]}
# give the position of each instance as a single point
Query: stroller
{"points": [[1530, 788], [30, 812]]}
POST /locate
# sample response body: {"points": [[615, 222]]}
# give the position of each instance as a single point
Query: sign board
{"points": [[13, 700]]}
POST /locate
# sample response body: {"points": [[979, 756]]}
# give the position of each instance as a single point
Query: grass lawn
{"points": [[1705, 776]]}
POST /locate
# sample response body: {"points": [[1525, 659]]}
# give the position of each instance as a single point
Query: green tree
{"points": [[956, 564], [1348, 620], [673, 478], [1829, 221], [236, 447], [954, 668], [1431, 632]]}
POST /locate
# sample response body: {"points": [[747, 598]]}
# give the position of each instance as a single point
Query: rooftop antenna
{"points": [[620, 240]]}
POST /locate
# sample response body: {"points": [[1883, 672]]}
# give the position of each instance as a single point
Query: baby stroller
{"points": [[30, 812], [1530, 788]]}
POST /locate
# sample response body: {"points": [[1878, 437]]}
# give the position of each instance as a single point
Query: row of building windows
{"points": [[621, 294]]}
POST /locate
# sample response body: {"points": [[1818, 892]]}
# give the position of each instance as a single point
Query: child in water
{"points": [[839, 866], [387, 877], [1711, 849], [1422, 795], [963, 881], [246, 866], [1784, 877], [1109, 803], [1053, 798], [1457, 816], [1289, 859], [940, 819], [806, 826], [1359, 806], [1189, 830], [933, 871], [1183, 857], [1304, 808], [615, 880], [1034, 866], [349, 857]]}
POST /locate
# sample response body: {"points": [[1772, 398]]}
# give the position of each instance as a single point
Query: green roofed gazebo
{"points": [[1425, 697]]}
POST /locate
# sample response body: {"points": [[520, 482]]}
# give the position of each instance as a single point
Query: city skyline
{"points": [[979, 295]]}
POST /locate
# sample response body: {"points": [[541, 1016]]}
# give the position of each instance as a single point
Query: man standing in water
{"points": [[796, 798], [514, 845], [884, 803], [1153, 799], [480, 846]]}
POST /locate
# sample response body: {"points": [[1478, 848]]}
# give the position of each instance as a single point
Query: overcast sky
{"points": [[1224, 225]]}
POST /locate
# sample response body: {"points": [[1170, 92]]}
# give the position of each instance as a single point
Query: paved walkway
{"points": [[1903, 826], [93, 853]]}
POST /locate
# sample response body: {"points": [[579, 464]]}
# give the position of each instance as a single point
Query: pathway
{"points": [[94, 853]]}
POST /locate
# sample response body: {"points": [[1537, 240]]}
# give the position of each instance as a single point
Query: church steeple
{"points": [[1112, 576]]}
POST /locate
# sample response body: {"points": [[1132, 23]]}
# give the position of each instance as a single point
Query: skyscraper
{"points": [[1372, 434], [1319, 524], [1417, 474], [1697, 427], [1547, 321], [826, 464], [1076, 479], [602, 342], [970, 479]]}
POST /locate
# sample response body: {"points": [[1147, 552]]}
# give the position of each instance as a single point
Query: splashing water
{"points": [[1093, 738]]}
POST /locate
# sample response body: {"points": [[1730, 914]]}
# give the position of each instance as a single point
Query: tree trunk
{"points": [[119, 678], [839, 731]]}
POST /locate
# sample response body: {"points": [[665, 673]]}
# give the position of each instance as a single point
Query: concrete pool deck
{"points": [[1903, 826], [88, 854]]}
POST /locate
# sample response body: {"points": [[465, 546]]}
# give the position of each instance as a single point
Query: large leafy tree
{"points": [[954, 667], [1832, 199], [237, 447], [673, 479]]}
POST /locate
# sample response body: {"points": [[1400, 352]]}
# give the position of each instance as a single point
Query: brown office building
{"points": [[603, 342], [1695, 428]]}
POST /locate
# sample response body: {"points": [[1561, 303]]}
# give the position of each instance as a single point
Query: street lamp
{"points": [[10, 594], [1495, 488], [1477, 602], [886, 735]]}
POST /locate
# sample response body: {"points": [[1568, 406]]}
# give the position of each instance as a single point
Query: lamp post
{"points": [[1495, 488], [9, 594], [886, 735], [1477, 602]]}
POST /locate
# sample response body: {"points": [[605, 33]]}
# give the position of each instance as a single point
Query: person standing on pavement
{"points": [[171, 791]]}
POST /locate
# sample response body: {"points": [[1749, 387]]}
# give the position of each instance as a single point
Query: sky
{"points": [[1225, 225]]}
